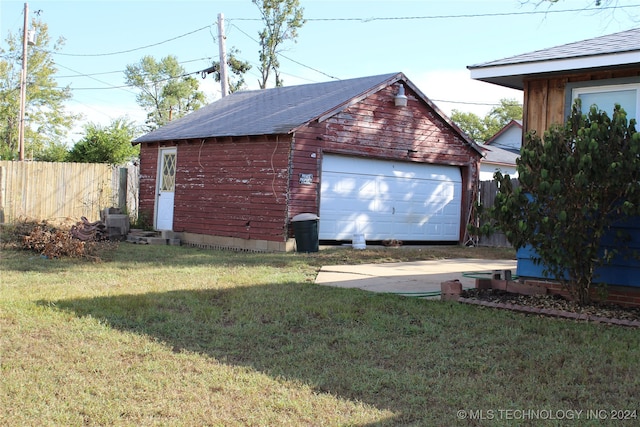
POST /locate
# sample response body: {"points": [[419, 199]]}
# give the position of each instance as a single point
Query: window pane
{"points": [[168, 172], [606, 100]]}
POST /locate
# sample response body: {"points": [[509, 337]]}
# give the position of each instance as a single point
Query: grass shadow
{"points": [[419, 359], [357, 345]]}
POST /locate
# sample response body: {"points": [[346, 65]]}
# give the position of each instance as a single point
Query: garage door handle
{"points": [[393, 211]]}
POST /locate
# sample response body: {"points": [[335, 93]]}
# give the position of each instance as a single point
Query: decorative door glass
{"points": [[168, 172]]}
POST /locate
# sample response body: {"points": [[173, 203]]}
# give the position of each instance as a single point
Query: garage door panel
{"points": [[344, 229], [388, 200]]}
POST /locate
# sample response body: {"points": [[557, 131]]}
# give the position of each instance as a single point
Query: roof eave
{"points": [[446, 118], [512, 75], [497, 163], [142, 140]]}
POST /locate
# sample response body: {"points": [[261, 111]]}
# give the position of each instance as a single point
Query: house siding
{"points": [[544, 98]]}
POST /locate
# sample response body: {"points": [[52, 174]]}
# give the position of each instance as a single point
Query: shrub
{"points": [[574, 186]]}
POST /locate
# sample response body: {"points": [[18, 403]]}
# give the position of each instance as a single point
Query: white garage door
{"points": [[389, 200]]}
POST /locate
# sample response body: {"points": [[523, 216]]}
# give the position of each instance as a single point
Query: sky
{"points": [[432, 42]]}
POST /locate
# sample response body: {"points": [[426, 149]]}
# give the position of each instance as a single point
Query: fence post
{"points": [[3, 189], [488, 192], [122, 189]]}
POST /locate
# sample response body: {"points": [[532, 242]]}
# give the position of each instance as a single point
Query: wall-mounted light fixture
{"points": [[400, 99]]}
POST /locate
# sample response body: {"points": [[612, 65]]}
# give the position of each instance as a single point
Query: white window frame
{"points": [[577, 91]]}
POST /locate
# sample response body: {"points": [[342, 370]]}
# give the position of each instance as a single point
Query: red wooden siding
{"points": [[376, 128], [148, 172], [230, 188]]}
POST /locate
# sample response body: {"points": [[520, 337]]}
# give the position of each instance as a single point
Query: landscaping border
{"points": [[452, 291], [551, 312]]}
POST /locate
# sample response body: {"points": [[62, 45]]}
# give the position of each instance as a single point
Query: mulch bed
{"points": [[553, 305]]}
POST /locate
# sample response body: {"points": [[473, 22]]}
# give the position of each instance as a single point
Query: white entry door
{"points": [[166, 189]]}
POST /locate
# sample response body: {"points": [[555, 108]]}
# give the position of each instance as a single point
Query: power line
{"points": [[306, 66], [465, 16], [362, 20], [285, 57], [132, 86], [134, 49], [118, 71], [99, 81], [464, 102]]}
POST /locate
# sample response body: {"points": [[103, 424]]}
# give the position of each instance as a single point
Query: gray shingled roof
{"points": [[268, 111], [499, 155], [625, 41], [606, 52]]}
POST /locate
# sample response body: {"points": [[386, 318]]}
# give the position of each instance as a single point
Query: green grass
{"points": [[162, 335]]}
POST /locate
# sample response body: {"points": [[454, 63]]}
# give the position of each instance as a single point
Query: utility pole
{"points": [[23, 84], [224, 83]]}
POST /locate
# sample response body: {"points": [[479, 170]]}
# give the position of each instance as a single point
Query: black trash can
{"points": [[305, 228]]}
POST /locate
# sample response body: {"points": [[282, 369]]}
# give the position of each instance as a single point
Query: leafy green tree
{"points": [[471, 124], [237, 67], [55, 152], [166, 93], [282, 19], [482, 129], [46, 122], [574, 186], [106, 144]]}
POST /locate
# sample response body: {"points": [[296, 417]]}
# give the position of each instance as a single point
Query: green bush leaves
{"points": [[574, 185]]}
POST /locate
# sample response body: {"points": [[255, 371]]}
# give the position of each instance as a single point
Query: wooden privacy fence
{"points": [[59, 191], [487, 197]]}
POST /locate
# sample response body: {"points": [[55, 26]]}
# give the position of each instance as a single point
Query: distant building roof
{"points": [[606, 52], [499, 155], [512, 124]]}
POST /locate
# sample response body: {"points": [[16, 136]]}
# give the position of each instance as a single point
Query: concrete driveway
{"points": [[418, 278]]}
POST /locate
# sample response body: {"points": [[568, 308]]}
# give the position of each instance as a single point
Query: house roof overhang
{"points": [[512, 75]]}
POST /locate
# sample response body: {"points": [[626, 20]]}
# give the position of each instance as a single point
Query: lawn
{"points": [[166, 335]]}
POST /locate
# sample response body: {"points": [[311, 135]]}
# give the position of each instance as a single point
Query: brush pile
{"points": [[89, 231], [83, 240]]}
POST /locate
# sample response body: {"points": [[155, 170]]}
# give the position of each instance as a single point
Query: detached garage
{"points": [[370, 155]]}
